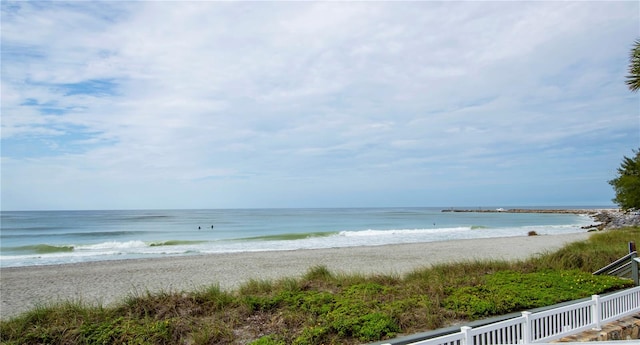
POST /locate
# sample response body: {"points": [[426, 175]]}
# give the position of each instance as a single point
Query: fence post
{"points": [[596, 311], [634, 268], [526, 327], [466, 340]]}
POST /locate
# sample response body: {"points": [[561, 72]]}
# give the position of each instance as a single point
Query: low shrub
{"points": [[508, 291]]}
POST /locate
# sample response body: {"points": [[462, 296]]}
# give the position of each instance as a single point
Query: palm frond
{"points": [[633, 79]]}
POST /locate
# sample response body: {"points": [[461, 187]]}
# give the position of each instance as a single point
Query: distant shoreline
{"points": [[533, 210]]}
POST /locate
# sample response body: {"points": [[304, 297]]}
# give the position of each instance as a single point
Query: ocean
{"points": [[30, 238]]}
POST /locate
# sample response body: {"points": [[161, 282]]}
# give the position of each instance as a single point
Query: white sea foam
{"points": [[401, 232], [113, 245], [258, 230]]}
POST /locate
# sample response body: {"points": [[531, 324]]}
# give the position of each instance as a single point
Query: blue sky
{"points": [[136, 105]]}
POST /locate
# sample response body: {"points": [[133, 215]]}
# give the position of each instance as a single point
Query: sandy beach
{"points": [[107, 282]]}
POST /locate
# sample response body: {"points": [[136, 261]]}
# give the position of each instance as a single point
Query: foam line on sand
{"points": [[106, 282]]}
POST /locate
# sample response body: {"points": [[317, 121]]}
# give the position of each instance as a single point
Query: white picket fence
{"points": [[549, 325]]}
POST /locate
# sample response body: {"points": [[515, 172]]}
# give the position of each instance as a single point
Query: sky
{"points": [[165, 105]]}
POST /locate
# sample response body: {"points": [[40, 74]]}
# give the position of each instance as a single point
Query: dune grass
{"points": [[323, 307]]}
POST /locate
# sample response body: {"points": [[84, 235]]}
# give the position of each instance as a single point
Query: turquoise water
{"points": [[57, 237]]}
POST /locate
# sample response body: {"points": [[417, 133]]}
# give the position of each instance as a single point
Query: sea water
{"points": [[58, 237]]}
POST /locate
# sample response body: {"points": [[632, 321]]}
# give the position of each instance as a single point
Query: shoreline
{"points": [[108, 282]]}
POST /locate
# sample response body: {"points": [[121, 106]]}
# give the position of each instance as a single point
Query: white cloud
{"points": [[246, 98]]}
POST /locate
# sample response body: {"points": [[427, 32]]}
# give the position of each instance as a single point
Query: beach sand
{"points": [[108, 282]]}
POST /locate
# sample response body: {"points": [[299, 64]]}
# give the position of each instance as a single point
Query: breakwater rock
{"points": [[530, 210], [615, 219], [605, 218]]}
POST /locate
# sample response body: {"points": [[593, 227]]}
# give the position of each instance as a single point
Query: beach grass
{"points": [[324, 307]]}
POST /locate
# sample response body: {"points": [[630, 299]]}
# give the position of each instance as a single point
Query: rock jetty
{"points": [[606, 218], [530, 210], [615, 219]]}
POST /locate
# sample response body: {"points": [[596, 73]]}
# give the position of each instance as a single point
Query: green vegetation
{"points": [[633, 79], [327, 308], [506, 291], [627, 183]]}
